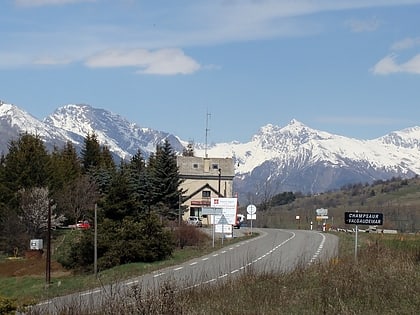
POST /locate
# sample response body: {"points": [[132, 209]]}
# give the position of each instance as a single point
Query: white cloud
{"points": [[368, 25], [164, 61], [406, 43], [388, 65], [39, 3]]}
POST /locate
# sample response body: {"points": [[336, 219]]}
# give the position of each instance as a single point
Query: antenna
{"points": [[207, 131]]}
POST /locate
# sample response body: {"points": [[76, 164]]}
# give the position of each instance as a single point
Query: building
{"points": [[203, 179]]}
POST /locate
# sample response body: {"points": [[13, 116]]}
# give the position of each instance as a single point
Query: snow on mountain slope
{"points": [[302, 145], [121, 136], [14, 121]]}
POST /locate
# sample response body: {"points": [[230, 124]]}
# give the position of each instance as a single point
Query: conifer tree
{"points": [[65, 166], [120, 201], [165, 178], [26, 165], [91, 152]]}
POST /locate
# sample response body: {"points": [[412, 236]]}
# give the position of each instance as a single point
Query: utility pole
{"points": [[95, 243], [220, 178], [48, 263]]}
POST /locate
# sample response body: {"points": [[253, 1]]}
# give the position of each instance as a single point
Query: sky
{"points": [[218, 70]]}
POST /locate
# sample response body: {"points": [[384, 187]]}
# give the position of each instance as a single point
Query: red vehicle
{"points": [[84, 225]]}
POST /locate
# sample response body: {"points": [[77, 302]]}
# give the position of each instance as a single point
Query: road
{"points": [[273, 250]]}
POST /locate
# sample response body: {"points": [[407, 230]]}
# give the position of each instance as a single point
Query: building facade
{"points": [[203, 179]]}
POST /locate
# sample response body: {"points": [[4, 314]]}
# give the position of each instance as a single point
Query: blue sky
{"points": [[348, 67]]}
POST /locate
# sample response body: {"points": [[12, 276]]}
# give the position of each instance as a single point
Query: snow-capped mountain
{"points": [[15, 121], [298, 158], [122, 137], [290, 158]]}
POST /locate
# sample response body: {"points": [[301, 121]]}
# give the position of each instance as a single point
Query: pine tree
{"points": [[165, 180], [120, 202], [65, 166], [27, 164], [91, 153]]}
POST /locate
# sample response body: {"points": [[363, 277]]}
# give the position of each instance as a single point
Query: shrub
{"points": [[7, 306]]}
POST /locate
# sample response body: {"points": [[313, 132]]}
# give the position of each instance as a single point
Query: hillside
{"points": [[397, 199]]}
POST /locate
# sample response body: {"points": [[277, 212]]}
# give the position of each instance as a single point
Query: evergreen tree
{"points": [[26, 165], [137, 161], [165, 178], [120, 201], [91, 153], [97, 162], [65, 166], [106, 159]]}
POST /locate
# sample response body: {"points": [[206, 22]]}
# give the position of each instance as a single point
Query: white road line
{"points": [[89, 293], [318, 251]]}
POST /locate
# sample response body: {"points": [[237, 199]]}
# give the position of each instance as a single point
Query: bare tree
{"points": [[78, 197], [34, 205]]}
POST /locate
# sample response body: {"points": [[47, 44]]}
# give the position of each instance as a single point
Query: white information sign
{"points": [[251, 216], [229, 209]]}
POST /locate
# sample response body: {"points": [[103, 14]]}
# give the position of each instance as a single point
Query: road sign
{"points": [[211, 211], [363, 218], [251, 209], [322, 212], [223, 220]]}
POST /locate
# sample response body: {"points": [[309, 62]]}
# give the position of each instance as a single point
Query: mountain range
{"points": [[291, 158]]}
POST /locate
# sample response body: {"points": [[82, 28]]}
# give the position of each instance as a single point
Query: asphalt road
{"points": [[272, 251]]}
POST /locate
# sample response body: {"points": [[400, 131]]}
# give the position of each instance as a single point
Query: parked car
{"points": [[83, 225], [196, 221]]}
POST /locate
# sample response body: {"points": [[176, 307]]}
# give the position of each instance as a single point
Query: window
{"points": [[205, 193], [215, 166], [195, 165]]}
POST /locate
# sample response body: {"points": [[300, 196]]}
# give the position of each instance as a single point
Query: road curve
{"points": [[273, 250]]}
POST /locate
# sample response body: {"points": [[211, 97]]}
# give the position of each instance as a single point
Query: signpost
{"points": [[251, 210], [212, 211], [362, 218]]}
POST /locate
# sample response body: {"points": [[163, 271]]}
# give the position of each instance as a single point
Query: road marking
{"points": [[318, 251], [132, 282], [89, 293]]}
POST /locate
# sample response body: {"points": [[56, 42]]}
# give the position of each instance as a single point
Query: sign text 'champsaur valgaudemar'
{"points": [[363, 218]]}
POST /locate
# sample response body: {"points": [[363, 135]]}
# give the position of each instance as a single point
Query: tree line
{"points": [[136, 200]]}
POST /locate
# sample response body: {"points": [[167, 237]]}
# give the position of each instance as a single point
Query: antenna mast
{"points": [[207, 131]]}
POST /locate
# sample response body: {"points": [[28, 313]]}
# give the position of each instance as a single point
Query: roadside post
{"points": [[362, 218], [251, 213], [213, 212]]}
